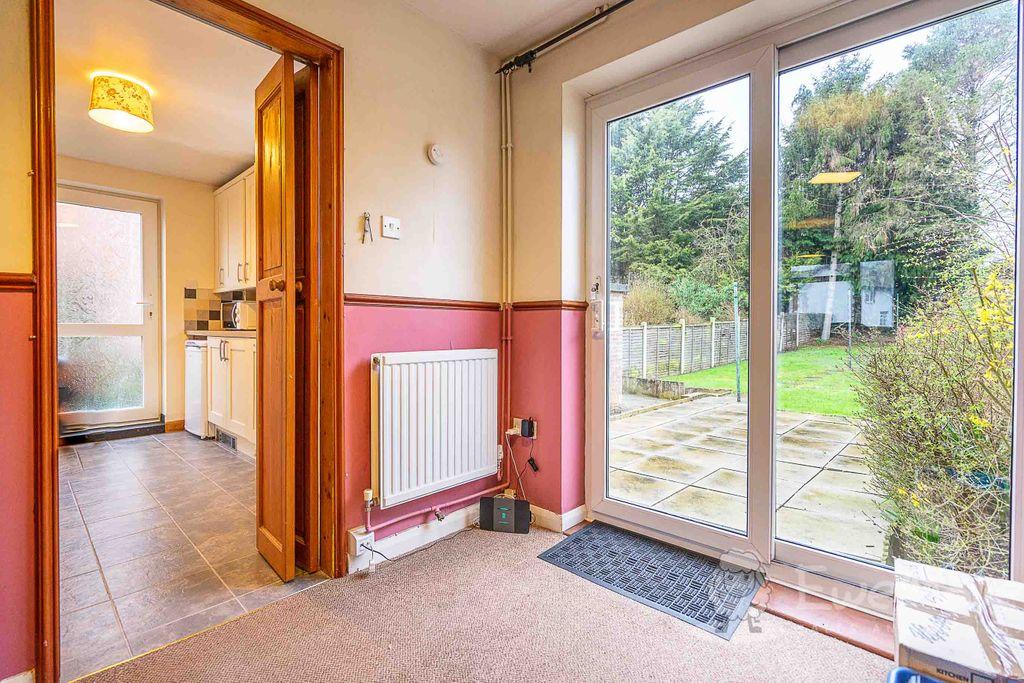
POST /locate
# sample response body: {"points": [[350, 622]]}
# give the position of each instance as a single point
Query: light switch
{"points": [[390, 227]]}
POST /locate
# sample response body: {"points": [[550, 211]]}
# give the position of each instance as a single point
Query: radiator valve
{"points": [[439, 515]]}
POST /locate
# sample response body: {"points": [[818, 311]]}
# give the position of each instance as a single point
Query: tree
{"points": [[676, 190]]}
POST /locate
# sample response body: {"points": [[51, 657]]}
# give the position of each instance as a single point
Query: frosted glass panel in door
{"points": [[99, 265], [100, 373]]}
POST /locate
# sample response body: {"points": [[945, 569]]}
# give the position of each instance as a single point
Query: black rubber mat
{"points": [[687, 585]]}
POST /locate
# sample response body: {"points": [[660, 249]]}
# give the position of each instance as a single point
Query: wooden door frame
{"points": [[251, 23]]}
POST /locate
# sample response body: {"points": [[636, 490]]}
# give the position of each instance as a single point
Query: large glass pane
{"points": [[99, 265], [896, 275], [99, 373], [678, 271]]}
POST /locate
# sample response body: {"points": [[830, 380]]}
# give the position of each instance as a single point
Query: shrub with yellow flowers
{"points": [[937, 412]]}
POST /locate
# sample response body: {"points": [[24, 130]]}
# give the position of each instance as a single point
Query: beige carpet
{"points": [[482, 607]]}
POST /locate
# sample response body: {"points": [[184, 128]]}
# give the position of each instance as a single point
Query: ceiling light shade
{"points": [[121, 102], [835, 178]]}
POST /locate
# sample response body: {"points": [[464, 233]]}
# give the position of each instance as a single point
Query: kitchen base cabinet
{"points": [[232, 387]]}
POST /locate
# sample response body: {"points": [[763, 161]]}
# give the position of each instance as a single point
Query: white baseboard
{"points": [[552, 521], [415, 537], [24, 677]]}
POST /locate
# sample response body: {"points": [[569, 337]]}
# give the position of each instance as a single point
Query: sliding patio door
{"points": [[673, 300], [108, 309], [803, 260]]}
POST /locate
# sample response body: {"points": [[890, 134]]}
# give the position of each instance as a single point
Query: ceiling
{"points": [[204, 81], [504, 28]]}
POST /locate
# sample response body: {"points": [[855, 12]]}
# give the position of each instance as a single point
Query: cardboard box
{"points": [[957, 627]]}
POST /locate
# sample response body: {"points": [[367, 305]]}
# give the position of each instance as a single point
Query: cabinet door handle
{"points": [[222, 275], [238, 272], [246, 271]]}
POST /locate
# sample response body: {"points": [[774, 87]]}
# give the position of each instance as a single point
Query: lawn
{"points": [[812, 379]]}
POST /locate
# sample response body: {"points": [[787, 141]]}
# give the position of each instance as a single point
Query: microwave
{"points": [[238, 315]]}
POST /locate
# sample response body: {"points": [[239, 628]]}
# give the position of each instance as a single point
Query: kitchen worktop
{"points": [[249, 334]]}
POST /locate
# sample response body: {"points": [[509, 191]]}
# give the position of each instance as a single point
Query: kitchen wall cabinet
{"points": [[232, 385], [235, 216]]}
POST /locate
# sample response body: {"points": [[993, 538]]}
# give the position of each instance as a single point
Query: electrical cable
{"points": [[515, 465], [418, 550]]}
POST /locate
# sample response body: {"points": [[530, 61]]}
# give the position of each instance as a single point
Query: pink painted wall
{"points": [[536, 393], [547, 385], [573, 408], [379, 329], [17, 487]]}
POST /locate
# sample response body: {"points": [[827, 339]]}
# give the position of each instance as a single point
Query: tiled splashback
{"points": [[202, 309], [203, 306]]}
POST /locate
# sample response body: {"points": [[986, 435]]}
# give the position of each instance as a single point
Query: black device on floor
{"points": [[505, 514]]}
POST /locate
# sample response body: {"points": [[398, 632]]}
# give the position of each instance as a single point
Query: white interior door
{"points": [[108, 303]]}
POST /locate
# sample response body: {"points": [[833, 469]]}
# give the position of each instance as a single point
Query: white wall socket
{"points": [[390, 227], [357, 538]]}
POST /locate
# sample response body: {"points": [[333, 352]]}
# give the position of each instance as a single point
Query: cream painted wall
{"points": [[16, 124], [410, 82], [187, 254]]}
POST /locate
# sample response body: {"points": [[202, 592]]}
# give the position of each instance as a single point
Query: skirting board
{"points": [[24, 677], [416, 537], [552, 521]]}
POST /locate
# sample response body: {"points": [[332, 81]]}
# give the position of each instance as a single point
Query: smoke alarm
{"points": [[435, 154]]}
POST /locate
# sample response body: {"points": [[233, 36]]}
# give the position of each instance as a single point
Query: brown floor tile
{"points": [[246, 574], [278, 590], [176, 630], [76, 553], [83, 590], [159, 605], [90, 639], [105, 509], [153, 570], [111, 551], [131, 523], [229, 546], [69, 517]]}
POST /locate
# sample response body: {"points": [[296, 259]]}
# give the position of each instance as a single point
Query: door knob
{"points": [[277, 285]]}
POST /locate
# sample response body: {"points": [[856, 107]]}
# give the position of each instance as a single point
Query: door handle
{"points": [[245, 270], [222, 275], [277, 285], [238, 272]]}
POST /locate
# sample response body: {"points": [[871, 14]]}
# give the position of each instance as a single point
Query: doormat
{"points": [[689, 586]]}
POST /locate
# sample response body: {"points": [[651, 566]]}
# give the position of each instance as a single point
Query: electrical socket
{"points": [[517, 427], [357, 539]]}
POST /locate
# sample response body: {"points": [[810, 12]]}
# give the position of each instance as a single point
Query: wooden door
{"points": [[307, 510], [275, 297]]}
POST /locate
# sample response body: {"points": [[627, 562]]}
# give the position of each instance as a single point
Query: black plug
{"points": [[533, 464]]}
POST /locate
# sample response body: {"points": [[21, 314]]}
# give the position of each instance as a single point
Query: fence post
{"points": [[682, 347], [782, 332], [714, 342], [643, 347]]}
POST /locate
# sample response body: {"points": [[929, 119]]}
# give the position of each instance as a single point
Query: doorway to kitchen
{"points": [[191, 224], [108, 304]]}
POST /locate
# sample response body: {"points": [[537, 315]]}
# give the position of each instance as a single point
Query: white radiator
{"points": [[433, 421]]}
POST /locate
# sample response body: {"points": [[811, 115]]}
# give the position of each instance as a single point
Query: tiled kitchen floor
{"points": [[689, 459], [157, 541]]}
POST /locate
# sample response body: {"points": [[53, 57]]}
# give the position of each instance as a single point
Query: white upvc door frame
{"points": [[818, 36], [752, 548], [148, 329]]}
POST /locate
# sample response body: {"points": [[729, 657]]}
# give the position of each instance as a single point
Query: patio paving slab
{"points": [[704, 505], [789, 471], [719, 443], [621, 456], [683, 471], [725, 481], [804, 451], [636, 488], [736, 433], [848, 505], [855, 450], [826, 431], [847, 464], [831, 533], [848, 481], [645, 445]]}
